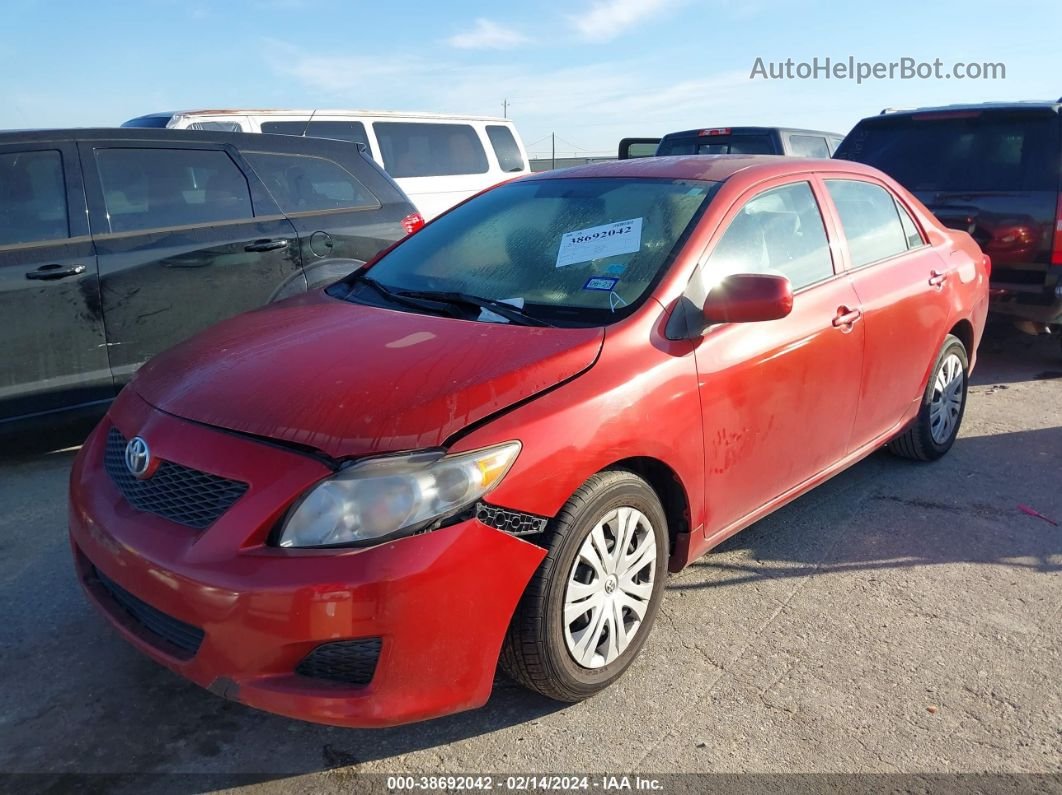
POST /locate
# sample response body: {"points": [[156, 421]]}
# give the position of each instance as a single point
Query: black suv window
{"points": [[309, 184], [509, 157], [870, 219], [961, 151], [416, 149], [151, 188], [353, 131], [33, 199]]}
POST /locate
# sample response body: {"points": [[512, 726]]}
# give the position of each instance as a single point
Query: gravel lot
{"points": [[900, 618]]}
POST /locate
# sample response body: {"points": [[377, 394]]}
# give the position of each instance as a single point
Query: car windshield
{"points": [[563, 251]]}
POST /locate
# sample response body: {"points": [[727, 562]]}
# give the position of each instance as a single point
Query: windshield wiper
{"points": [[409, 301], [508, 311]]}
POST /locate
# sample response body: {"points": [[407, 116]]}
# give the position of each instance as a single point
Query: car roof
{"points": [[712, 168], [133, 134], [745, 130], [321, 112], [1037, 104]]}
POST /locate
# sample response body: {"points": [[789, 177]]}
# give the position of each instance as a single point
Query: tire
{"points": [[933, 431], [539, 651]]}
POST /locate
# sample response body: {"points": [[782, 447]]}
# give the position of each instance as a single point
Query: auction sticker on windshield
{"points": [[583, 245]]}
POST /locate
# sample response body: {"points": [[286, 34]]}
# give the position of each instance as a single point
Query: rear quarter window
{"points": [[808, 146], [301, 183], [962, 152], [415, 149], [505, 148]]}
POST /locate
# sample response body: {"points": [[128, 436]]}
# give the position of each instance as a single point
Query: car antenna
{"points": [[304, 129]]}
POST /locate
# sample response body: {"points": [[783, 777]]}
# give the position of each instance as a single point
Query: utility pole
{"points": [[505, 108], [553, 144]]}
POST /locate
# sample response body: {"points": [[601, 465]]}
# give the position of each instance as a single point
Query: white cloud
{"points": [[487, 35], [592, 106], [607, 19]]}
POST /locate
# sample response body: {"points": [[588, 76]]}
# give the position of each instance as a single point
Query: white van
{"points": [[437, 159]]}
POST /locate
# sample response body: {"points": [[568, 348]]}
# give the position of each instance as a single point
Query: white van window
{"points": [[411, 149], [216, 126], [309, 184], [509, 157], [353, 131]]}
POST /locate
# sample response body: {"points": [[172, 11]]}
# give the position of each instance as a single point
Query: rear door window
{"points": [[717, 145], [962, 151], [33, 199], [353, 131], [415, 149], [309, 184], [149, 188], [505, 148], [870, 218], [808, 146]]}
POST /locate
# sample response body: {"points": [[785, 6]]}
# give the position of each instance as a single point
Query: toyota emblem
{"points": [[137, 457]]}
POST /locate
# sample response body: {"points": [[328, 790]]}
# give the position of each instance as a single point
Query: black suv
{"points": [[993, 170], [734, 141], [116, 244]]}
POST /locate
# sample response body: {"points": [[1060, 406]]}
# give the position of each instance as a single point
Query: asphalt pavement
{"points": [[901, 618]]}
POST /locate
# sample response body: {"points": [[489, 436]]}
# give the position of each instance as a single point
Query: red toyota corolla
{"points": [[495, 440]]}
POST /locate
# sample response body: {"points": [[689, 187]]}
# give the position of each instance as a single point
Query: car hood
{"points": [[353, 380]]}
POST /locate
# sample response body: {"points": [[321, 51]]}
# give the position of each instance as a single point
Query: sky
{"points": [[588, 72]]}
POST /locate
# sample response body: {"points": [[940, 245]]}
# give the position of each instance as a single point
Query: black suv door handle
{"points": [[266, 245], [49, 272]]}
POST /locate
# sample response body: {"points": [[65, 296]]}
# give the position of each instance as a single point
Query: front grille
{"points": [[177, 638], [514, 522], [352, 662], [178, 493]]}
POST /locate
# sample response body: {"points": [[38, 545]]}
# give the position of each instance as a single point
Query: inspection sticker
{"points": [[600, 283], [583, 245]]}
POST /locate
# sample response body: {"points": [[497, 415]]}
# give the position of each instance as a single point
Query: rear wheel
{"points": [[934, 430], [588, 609]]}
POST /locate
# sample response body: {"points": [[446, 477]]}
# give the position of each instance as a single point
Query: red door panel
{"points": [[905, 316], [778, 399]]}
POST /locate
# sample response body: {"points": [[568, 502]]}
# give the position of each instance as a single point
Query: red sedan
{"points": [[495, 440]]}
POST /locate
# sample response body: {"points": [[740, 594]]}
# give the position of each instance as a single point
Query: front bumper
{"points": [[439, 603]]}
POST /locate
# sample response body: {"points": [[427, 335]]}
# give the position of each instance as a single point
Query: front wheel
{"points": [[588, 609], [934, 430]]}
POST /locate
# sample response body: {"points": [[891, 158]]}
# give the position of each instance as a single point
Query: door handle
{"points": [[846, 317], [55, 271], [266, 245], [937, 279]]}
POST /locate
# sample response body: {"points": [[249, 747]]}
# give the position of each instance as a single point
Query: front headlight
{"points": [[386, 498]]}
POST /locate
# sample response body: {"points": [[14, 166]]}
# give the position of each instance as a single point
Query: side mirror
{"points": [[749, 298]]}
